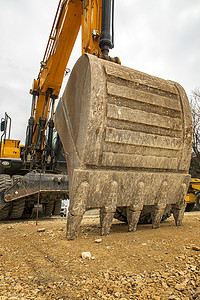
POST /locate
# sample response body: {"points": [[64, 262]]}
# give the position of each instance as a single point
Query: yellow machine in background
{"points": [[9, 148], [10, 153], [193, 194]]}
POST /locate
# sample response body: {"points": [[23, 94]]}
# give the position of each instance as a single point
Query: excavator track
{"points": [[57, 207], [4, 212], [128, 139], [17, 209], [20, 193], [145, 216], [18, 206], [5, 182], [13, 210]]}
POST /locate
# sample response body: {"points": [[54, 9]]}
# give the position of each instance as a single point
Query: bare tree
{"points": [[195, 108]]}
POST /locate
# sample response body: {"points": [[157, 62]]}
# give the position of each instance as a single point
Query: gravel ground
{"points": [[37, 262]]}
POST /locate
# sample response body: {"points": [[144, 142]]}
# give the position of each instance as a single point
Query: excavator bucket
{"points": [[128, 139]]}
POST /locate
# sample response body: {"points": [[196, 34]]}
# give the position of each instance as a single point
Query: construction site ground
{"points": [[37, 261]]}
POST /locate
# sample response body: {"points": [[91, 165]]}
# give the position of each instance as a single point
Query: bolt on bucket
{"points": [[128, 139]]}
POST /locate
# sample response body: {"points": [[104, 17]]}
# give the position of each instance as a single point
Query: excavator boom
{"points": [[70, 16]]}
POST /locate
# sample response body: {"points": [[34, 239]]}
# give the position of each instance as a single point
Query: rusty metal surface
{"points": [[128, 139], [29, 185]]}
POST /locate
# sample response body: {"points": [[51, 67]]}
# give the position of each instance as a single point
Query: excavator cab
{"points": [[10, 160]]}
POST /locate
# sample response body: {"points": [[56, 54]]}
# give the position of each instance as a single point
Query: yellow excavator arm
{"points": [[96, 39], [69, 17]]}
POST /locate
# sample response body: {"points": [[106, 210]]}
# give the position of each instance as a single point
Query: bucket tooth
{"points": [[73, 224], [160, 205], [76, 210], [178, 209], [106, 219], [134, 211], [157, 216], [133, 216], [107, 212]]}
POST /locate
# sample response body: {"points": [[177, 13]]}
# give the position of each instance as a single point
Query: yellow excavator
{"points": [[193, 195], [127, 136], [25, 180]]}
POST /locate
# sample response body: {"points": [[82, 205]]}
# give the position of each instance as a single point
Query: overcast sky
{"points": [[159, 37]]}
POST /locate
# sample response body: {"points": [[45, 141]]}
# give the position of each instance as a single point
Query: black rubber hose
{"points": [[105, 42], [113, 13]]}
